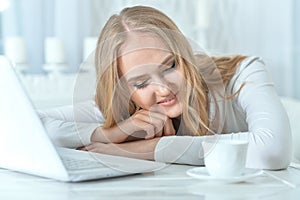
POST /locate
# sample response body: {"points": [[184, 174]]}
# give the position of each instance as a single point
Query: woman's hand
{"points": [[143, 124], [146, 124]]}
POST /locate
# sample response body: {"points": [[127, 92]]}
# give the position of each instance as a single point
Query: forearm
{"points": [[142, 149], [269, 130], [120, 133], [263, 152], [108, 135]]}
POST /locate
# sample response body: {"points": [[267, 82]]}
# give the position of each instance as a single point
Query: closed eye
{"points": [[173, 66], [141, 84]]}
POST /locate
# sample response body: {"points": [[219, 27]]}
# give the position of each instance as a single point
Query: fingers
{"points": [[156, 120], [82, 148], [169, 128], [95, 147], [157, 109], [151, 116], [91, 147], [145, 124], [148, 130], [144, 127]]}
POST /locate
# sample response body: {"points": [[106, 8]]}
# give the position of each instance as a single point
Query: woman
{"points": [[155, 99]]}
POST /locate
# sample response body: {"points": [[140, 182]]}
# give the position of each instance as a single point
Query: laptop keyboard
{"points": [[76, 164]]}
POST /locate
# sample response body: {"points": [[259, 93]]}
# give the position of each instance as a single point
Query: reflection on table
{"points": [[169, 183]]}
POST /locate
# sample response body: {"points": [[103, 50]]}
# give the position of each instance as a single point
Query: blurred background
{"points": [[49, 39]]}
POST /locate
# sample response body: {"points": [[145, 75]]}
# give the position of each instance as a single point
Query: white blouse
{"points": [[255, 114]]}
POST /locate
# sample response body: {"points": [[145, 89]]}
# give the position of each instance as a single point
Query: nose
{"points": [[162, 90], [161, 87]]}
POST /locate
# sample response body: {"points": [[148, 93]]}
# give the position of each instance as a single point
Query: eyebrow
{"points": [[165, 61]]}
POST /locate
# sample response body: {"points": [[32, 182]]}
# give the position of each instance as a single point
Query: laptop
{"points": [[25, 145]]}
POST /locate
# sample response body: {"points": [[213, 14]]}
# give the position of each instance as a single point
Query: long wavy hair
{"points": [[201, 73]]}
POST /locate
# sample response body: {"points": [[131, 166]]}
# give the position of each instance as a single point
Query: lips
{"points": [[168, 101]]}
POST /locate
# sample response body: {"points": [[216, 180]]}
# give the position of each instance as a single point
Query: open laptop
{"points": [[26, 147]]}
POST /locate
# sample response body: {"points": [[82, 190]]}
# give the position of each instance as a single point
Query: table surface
{"points": [[170, 182]]}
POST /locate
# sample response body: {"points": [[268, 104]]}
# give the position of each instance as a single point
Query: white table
{"points": [[169, 183]]}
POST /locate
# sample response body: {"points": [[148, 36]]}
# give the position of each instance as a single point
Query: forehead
{"points": [[141, 50]]}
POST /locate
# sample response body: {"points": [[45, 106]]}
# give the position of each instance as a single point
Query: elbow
{"points": [[279, 154], [271, 157], [277, 160], [271, 149]]}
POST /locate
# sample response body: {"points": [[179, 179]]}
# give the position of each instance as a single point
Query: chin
{"points": [[171, 116], [174, 113]]}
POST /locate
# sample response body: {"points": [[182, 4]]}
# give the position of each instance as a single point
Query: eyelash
{"points": [[144, 83], [173, 66], [141, 85]]}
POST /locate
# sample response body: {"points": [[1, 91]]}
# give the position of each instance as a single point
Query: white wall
{"points": [[263, 28]]}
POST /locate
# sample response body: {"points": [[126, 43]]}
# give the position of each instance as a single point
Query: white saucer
{"points": [[201, 173]]}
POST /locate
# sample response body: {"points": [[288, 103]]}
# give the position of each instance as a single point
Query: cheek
{"points": [[175, 80], [143, 98]]}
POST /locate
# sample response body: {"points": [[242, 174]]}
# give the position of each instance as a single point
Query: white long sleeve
{"points": [[72, 126], [255, 114]]}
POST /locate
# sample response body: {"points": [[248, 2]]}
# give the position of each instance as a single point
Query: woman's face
{"points": [[152, 74]]}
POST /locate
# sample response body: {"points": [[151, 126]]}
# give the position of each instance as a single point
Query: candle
{"points": [[4, 4], [54, 51], [15, 49]]}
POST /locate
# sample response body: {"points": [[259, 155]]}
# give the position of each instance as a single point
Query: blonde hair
{"points": [[117, 106]]}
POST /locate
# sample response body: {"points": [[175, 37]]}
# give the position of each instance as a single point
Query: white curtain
{"points": [[268, 28], [73, 20], [34, 20]]}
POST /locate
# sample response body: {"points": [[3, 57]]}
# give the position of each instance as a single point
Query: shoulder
{"points": [[250, 63], [251, 70]]}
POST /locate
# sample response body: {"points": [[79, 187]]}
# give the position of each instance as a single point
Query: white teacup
{"points": [[225, 158]]}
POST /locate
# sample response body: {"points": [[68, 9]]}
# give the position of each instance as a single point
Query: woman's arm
{"points": [[71, 126], [80, 124], [171, 149], [142, 125], [270, 140], [141, 149], [269, 133]]}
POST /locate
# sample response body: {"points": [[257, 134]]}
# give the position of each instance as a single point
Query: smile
{"points": [[168, 102]]}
